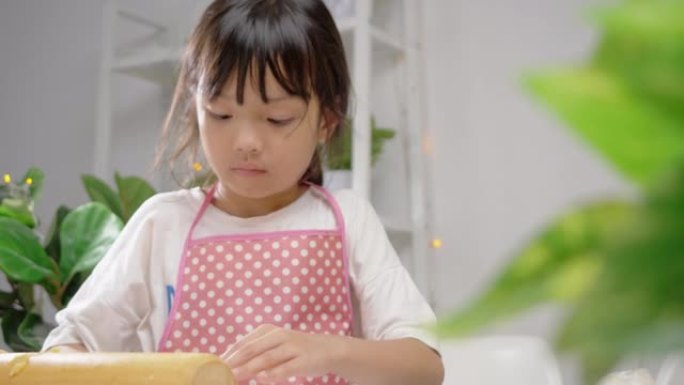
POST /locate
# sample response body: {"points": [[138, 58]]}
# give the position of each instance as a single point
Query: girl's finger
{"points": [[255, 334], [255, 347], [282, 372], [263, 362]]}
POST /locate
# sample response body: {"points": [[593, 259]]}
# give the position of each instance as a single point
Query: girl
{"points": [[288, 282]]}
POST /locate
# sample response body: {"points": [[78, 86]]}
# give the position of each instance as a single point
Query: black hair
{"points": [[296, 40]]}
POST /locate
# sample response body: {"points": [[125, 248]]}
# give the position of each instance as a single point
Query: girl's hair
{"points": [[296, 40]]}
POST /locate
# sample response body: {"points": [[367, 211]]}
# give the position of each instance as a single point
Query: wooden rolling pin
{"points": [[113, 369]]}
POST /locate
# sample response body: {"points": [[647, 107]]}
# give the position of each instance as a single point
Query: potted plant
{"points": [[60, 261], [617, 265], [338, 157]]}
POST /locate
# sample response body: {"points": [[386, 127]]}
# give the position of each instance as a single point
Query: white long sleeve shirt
{"points": [[124, 304]]}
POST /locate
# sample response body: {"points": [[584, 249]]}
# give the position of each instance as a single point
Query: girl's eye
{"points": [[220, 117], [280, 122], [216, 116]]}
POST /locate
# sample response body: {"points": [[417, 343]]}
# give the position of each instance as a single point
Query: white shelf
{"points": [[159, 65], [396, 227], [384, 39]]}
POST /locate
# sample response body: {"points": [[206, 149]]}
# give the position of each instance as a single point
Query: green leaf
{"points": [[99, 191], [7, 299], [33, 331], [558, 265], [659, 21], [86, 235], [11, 322], [26, 294], [637, 304], [18, 209], [52, 247], [22, 257], [639, 140], [133, 191], [6, 302], [37, 178]]}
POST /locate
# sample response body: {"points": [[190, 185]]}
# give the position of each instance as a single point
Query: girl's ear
{"points": [[329, 122]]}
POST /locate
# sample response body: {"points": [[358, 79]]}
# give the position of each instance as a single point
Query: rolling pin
{"points": [[113, 369]]}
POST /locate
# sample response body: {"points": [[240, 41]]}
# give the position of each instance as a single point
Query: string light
{"points": [[436, 243], [197, 166], [7, 178], [29, 181]]}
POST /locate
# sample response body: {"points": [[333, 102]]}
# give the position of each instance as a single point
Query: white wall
{"points": [[49, 59]]}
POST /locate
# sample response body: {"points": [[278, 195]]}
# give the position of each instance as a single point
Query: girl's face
{"points": [[259, 150]]}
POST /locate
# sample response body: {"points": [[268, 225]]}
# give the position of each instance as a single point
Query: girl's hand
{"points": [[273, 354]]}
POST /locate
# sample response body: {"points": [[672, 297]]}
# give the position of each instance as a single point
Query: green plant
{"points": [[617, 265], [339, 153], [59, 262]]}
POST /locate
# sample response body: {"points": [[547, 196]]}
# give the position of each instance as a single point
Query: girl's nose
{"points": [[247, 140]]}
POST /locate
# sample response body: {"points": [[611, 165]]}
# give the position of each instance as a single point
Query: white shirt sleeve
{"points": [[114, 301], [389, 303]]}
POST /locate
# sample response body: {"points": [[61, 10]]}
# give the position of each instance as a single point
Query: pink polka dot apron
{"points": [[228, 285]]}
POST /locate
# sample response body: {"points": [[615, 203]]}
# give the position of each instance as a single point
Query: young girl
{"points": [[286, 281]]}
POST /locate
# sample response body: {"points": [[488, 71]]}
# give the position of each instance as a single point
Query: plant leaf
{"points": [[657, 21], [18, 209], [637, 304], [11, 322], [86, 235], [640, 141], [33, 331], [558, 265], [52, 247], [37, 178], [99, 191], [22, 257], [133, 191]]}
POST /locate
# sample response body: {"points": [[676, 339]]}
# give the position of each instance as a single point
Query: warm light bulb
{"points": [[197, 166], [7, 178], [29, 181], [436, 243]]}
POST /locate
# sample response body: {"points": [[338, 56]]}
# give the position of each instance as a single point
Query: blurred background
{"points": [[477, 169]]}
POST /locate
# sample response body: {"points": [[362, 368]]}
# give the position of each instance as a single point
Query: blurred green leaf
{"points": [[6, 299], [559, 265], [133, 191], [6, 302], [99, 191], [22, 257], [11, 322], [655, 20], [37, 178], [339, 150], [637, 304], [52, 246], [85, 235], [32, 331], [640, 141], [18, 209], [25, 294]]}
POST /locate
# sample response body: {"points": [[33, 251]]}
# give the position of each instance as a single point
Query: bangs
{"points": [[250, 42]]}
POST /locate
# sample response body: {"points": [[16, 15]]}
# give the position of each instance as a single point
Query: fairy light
{"points": [[7, 178], [197, 166], [436, 243], [29, 181]]}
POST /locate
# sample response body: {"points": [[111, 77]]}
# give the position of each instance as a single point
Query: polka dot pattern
{"points": [[230, 286]]}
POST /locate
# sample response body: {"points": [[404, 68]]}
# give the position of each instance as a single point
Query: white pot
{"points": [[337, 179]]}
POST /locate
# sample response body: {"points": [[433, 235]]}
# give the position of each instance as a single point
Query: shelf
{"points": [[157, 64], [395, 227], [385, 40]]}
